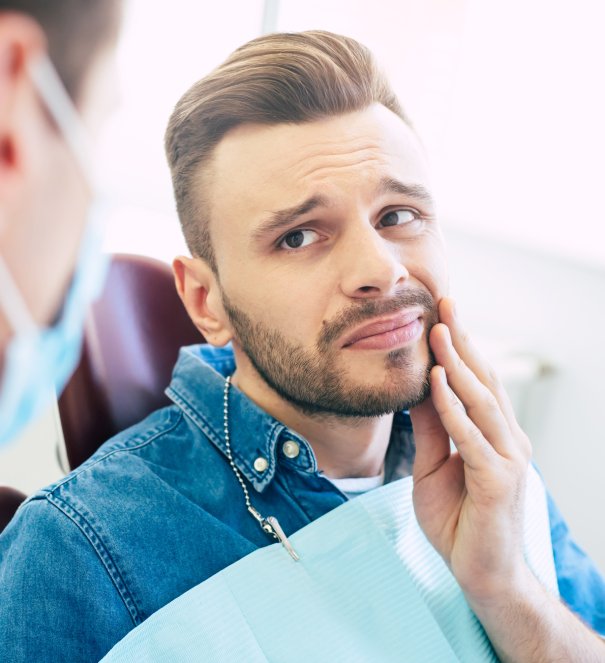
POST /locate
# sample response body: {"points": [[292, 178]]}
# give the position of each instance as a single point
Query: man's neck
{"points": [[343, 446]]}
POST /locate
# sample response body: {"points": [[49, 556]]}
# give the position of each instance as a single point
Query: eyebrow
{"points": [[288, 216], [416, 191]]}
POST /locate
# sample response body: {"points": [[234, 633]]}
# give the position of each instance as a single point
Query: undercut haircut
{"points": [[274, 79], [76, 31]]}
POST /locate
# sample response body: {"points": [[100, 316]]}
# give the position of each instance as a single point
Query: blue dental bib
{"points": [[369, 587]]}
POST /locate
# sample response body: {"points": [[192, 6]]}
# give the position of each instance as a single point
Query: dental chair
{"points": [[131, 341], [10, 499], [132, 338]]}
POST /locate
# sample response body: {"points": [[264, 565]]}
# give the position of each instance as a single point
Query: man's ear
{"points": [[21, 39], [199, 291]]}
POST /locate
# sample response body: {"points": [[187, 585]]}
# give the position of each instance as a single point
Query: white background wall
{"points": [[509, 102]]}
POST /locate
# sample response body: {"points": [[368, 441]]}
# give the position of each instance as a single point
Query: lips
{"points": [[402, 319]]}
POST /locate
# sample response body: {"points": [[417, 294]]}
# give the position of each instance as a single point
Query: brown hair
{"points": [[76, 31], [277, 78]]}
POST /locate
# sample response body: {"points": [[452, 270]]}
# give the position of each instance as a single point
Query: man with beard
{"points": [[319, 280]]}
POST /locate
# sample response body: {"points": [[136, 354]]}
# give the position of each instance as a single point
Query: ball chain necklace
{"points": [[270, 525]]}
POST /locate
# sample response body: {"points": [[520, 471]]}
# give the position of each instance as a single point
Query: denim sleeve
{"points": [[57, 602], [580, 584]]}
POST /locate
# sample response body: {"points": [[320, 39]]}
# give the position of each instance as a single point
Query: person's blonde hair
{"points": [[274, 79]]}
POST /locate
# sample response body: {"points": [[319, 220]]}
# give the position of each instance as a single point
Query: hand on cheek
{"points": [[470, 503]]}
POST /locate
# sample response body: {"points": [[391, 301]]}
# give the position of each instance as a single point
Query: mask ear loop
{"points": [[62, 110], [13, 304]]}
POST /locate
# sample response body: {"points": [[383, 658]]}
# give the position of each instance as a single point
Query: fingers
{"points": [[483, 411], [474, 382], [431, 438], [475, 361], [472, 445]]}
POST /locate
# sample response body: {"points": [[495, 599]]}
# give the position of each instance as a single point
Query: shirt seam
{"points": [[208, 429], [95, 539], [137, 442], [102, 553]]}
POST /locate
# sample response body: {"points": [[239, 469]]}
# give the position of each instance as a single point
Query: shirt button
{"points": [[291, 449], [261, 464]]}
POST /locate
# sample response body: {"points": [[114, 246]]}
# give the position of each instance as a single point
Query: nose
{"points": [[371, 265]]}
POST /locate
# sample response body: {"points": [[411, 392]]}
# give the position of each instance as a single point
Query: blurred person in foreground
{"points": [[56, 85], [336, 370]]}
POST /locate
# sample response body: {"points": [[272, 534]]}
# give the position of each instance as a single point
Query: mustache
{"points": [[373, 308]]}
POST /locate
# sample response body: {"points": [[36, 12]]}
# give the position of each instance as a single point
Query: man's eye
{"points": [[297, 239], [398, 217]]}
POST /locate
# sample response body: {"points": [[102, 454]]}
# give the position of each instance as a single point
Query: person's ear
{"points": [[199, 291], [21, 39]]}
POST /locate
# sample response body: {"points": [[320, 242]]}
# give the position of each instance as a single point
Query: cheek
{"points": [[290, 302], [430, 268]]}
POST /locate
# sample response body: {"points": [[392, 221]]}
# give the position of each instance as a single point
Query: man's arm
{"points": [[581, 585], [470, 504], [529, 624], [57, 602]]}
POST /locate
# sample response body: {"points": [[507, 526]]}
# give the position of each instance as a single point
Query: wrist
{"points": [[526, 623], [519, 589]]}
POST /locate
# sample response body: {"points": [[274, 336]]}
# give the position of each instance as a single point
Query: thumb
{"points": [[431, 438]]}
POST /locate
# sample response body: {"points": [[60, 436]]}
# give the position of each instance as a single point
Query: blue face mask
{"points": [[38, 361]]}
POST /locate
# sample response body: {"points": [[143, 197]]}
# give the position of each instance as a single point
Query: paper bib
{"points": [[369, 587]]}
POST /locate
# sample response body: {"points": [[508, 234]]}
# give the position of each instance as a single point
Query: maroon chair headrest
{"points": [[10, 499], [132, 338]]}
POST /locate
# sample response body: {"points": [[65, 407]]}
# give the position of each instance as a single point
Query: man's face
{"points": [[330, 260]]}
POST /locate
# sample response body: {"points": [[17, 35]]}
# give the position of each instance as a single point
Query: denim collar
{"points": [[197, 388]]}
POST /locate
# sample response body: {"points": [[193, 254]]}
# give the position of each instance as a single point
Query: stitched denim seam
{"points": [[63, 504], [196, 417], [133, 444], [275, 430], [98, 546], [241, 462]]}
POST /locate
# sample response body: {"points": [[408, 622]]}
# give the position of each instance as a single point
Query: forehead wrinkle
{"points": [[331, 165], [339, 146], [336, 152], [346, 144]]}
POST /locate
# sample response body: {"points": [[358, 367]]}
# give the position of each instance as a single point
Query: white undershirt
{"points": [[352, 487]]}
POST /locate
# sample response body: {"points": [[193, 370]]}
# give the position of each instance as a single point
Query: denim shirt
{"points": [[158, 509]]}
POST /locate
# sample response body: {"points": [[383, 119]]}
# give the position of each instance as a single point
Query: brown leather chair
{"points": [[132, 338]]}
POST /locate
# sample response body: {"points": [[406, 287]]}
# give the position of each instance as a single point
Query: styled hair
{"points": [[76, 30], [274, 79]]}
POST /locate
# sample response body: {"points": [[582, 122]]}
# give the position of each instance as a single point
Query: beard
{"points": [[315, 382]]}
